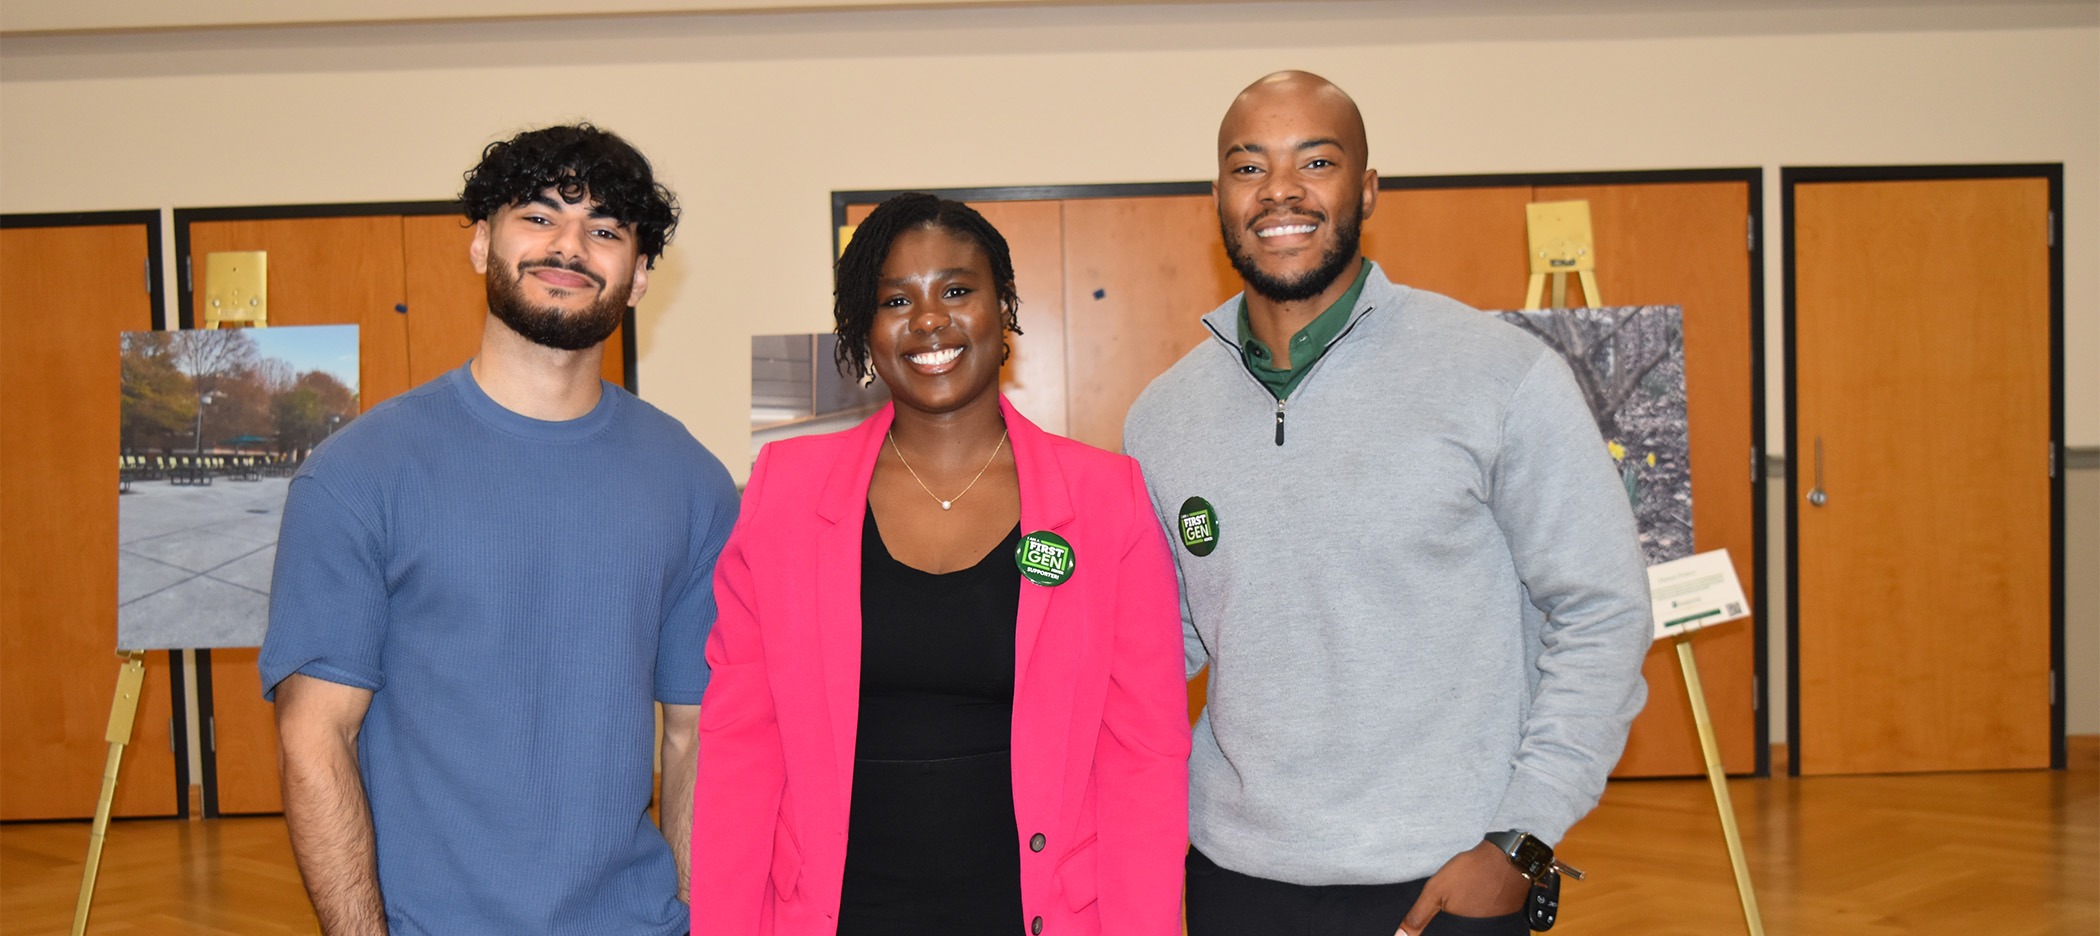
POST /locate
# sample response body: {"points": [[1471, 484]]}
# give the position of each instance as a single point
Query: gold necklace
{"points": [[947, 502]]}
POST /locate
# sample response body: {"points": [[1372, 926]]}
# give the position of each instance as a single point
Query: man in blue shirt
{"points": [[484, 585]]}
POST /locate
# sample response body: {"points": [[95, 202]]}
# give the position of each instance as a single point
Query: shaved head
{"points": [[1294, 187], [1303, 95]]}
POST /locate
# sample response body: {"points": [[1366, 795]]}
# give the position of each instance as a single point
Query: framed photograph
{"points": [[1629, 362], [214, 424]]}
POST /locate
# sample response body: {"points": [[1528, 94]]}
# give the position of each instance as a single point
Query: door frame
{"points": [[2053, 173], [1753, 181], [156, 298], [156, 290]]}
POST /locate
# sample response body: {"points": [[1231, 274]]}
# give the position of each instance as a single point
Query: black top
{"points": [[936, 654], [931, 845]]}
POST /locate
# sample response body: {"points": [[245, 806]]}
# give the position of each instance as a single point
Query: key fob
{"points": [[1542, 905]]}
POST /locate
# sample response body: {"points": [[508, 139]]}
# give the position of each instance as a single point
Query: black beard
{"points": [[551, 327], [1348, 237]]}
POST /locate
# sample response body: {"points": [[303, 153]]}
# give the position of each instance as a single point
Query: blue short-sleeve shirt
{"points": [[516, 594]]}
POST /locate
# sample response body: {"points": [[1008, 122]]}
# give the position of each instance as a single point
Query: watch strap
{"points": [[1506, 840]]}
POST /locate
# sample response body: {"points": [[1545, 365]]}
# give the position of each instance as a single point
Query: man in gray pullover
{"points": [[1404, 557]]}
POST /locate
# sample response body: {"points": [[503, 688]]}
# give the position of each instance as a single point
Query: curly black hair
{"points": [[859, 268], [577, 162]]}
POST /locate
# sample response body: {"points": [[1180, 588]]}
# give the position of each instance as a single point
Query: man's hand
{"points": [[324, 803], [1479, 882]]}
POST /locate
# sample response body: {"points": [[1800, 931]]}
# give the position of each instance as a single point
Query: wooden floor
{"points": [[2005, 854]]}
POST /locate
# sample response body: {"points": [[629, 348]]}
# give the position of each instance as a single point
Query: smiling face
{"points": [[560, 274], [1293, 185], [938, 332]]}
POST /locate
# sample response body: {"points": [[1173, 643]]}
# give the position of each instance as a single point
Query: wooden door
{"points": [[1657, 243], [1687, 244], [1034, 378], [65, 294], [327, 271], [322, 271], [1140, 272], [447, 300], [1466, 243], [1921, 342]]}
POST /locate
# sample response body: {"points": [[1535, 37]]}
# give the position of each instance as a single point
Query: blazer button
{"points": [[1035, 927], [1036, 842]]}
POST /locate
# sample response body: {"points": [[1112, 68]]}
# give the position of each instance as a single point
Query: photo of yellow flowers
{"points": [[1629, 362]]}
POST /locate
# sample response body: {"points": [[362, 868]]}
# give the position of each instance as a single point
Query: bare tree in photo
{"points": [[1610, 351], [1629, 363], [210, 357]]}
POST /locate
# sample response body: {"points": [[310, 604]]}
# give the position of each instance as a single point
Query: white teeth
{"points": [[934, 358], [1286, 229]]}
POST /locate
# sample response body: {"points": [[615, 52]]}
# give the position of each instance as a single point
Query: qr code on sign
{"points": [[1735, 608]]}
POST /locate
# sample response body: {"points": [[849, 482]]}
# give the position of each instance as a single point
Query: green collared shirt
{"points": [[1306, 346]]}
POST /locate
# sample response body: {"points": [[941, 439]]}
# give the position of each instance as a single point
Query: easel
{"points": [[131, 677], [1718, 777], [1560, 242], [1558, 234], [236, 293]]}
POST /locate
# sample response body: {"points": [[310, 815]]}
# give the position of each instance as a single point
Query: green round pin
{"points": [[1199, 526], [1045, 558]]}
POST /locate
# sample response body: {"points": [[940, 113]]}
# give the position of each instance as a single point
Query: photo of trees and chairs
{"points": [[214, 424]]}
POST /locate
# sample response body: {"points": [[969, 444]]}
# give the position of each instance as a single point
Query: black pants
{"points": [[1223, 902]]}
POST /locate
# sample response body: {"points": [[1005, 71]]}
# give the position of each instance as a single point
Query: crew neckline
{"points": [[497, 416]]}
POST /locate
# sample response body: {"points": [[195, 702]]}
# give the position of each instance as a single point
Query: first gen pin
{"points": [[1198, 527], [1044, 558]]}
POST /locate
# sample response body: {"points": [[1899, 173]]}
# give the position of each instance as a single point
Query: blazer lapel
{"points": [[842, 513], [1045, 505]]}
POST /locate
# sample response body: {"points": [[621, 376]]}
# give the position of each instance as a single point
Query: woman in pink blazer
{"points": [[947, 694]]}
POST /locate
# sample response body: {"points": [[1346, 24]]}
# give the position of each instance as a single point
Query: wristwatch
{"points": [[1530, 854]]}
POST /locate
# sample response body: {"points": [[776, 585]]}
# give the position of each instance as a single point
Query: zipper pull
{"points": [[1279, 421]]}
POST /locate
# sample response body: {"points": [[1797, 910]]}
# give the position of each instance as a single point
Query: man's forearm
{"points": [[331, 828], [675, 797], [324, 803]]}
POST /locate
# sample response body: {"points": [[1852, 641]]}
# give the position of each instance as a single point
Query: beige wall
{"points": [[756, 119], [29, 16]]}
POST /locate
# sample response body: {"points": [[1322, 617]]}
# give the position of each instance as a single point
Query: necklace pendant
{"points": [[945, 504]]}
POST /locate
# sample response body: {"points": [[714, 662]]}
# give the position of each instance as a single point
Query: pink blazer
{"points": [[1100, 725]]}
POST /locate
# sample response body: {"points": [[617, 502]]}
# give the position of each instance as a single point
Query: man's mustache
{"points": [[552, 263], [1295, 214]]}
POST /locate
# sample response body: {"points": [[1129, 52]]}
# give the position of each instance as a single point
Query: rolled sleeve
{"points": [[681, 650], [328, 591]]}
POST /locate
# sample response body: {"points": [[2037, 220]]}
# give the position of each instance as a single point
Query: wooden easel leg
{"points": [[122, 710], [1590, 296], [1560, 290], [1719, 778], [1535, 290]]}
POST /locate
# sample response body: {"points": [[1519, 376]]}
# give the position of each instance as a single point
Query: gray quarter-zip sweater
{"points": [[1426, 610]]}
